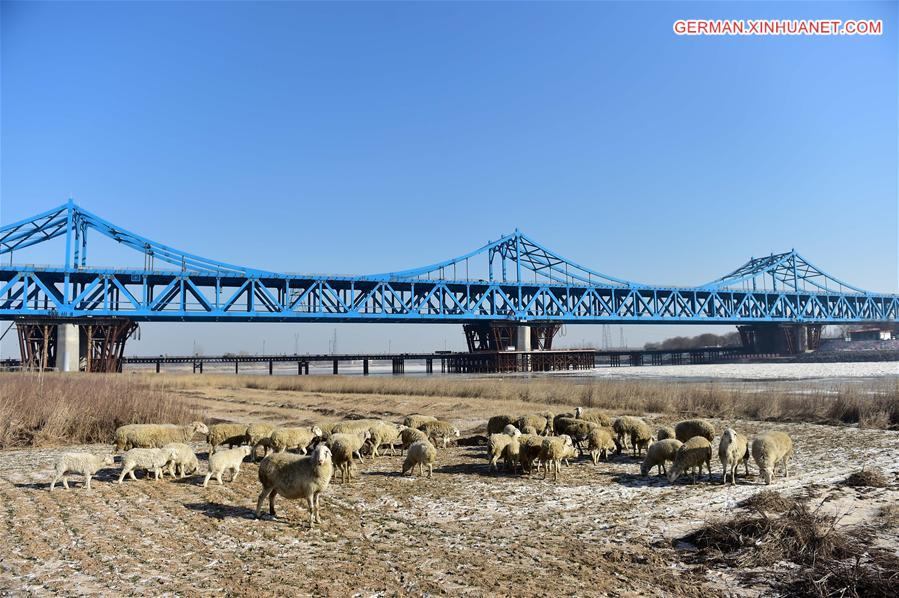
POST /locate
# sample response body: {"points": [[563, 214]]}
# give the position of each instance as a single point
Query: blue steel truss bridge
{"points": [[507, 287]]}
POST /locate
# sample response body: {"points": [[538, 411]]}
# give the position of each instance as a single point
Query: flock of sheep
{"points": [[537, 441]]}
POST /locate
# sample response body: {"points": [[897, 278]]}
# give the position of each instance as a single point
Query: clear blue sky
{"points": [[359, 138]]}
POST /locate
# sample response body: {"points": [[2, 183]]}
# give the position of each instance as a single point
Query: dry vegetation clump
{"points": [[757, 539], [872, 478], [830, 562], [877, 408], [768, 501], [52, 409]]}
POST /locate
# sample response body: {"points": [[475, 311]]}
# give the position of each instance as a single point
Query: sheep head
{"points": [[321, 455]]}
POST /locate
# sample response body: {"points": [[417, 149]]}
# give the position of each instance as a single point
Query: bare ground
{"points": [[599, 530]]}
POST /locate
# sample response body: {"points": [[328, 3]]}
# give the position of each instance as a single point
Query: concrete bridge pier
{"points": [[782, 339], [69, 348]]}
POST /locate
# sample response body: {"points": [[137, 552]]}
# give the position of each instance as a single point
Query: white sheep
{"points": [[421, 453], [184, 461], [552, 451], [497, 443], [665, 432], [299, 438], [149, 459], [593, 415], [539, 423], [768, 450], [733, 449], [344, 446], [384, 433], [84, 464], [409, 436], [440, 431], [690, 456], [256, 432], [529, 447], [295, 476], [415, 420], [687, 429], [600, 443], [155, 435], [635, 429], [511, 430], [659, 452], [222, 461], [226, 433]]}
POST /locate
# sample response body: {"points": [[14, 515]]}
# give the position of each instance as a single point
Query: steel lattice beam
{"points": [[525, 282]]}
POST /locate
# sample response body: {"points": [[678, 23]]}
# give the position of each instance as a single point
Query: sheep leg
{"points": [[786, 473], [430, 470], [218, 477], [53, 482], [131, 475], [266, 492], [65, 482], [271, 502], [206, 479], [87, 482], [236, 473]]}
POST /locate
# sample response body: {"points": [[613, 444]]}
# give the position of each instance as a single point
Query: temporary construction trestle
{"points": [[92, 345], [37, 345], [501, 336]]}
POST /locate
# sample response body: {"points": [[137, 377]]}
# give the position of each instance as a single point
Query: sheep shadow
{"points": [[478, 469], [636, 480], [221, 511]]}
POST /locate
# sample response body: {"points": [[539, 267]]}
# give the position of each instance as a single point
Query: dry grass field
{"points": [[598, 530]]}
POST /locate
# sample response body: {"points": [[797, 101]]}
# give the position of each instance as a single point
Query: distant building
{"points": [[870, 334]]}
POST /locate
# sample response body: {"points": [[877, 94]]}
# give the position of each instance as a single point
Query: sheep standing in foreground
{"points": [[155, 435], [733, 449], [552, 451], [294, 438], [690, 456], [226, 433], [496, 423], [184, 461], [659, 452], [295, 476], [420, 453], [344, 446], [222, 461], [593, 415], [84, 464], [665, 432], [149, 459], [599, 443], [687, 429], [768, 450], [440, 431], [416, 420]]}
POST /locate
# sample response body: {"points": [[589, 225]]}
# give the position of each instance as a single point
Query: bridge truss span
{"points": [[512, 279]]}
